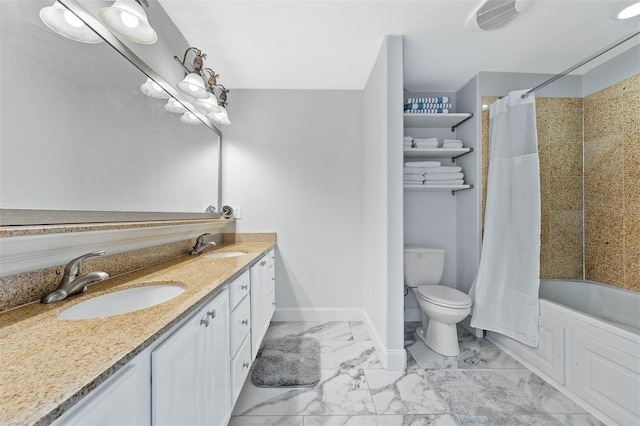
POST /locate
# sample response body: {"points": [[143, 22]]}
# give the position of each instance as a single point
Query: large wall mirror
{"points": [[77, 134]]}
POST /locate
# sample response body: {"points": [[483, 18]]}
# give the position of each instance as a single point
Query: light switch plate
{"points": [[237, 212]]}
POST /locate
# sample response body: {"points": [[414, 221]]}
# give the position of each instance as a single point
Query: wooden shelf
{"points": [[452, 119], [434, 188], [429, 153]]}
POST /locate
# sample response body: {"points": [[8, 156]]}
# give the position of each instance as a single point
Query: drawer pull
{"points": [[245, 364], [245, 321], [273, 278], [245, 287], [264, 262], [205, 322], [273, 303], [212, 314]]}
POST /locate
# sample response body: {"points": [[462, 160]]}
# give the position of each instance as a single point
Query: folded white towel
{"points": [[444, 182], [443, 176], [407, 144], [442, 169], [414, 178], [426, 144], [452, 145], [452, 140], [407, 139], [429, 140], [422, 164]]}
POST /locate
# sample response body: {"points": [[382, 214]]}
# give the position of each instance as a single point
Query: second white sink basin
{"points": [[122, 302], [223, 254]]}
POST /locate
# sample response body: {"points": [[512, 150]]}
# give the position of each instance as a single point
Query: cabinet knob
{"points": [[212, 313], [273, 278], [245, 364], [205, 322], [245, 321], [273, 303], [264, 262], [245, 287]]}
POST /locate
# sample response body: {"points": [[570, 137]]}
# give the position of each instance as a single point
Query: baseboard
{"points": [[391, 359], [317, 314]]}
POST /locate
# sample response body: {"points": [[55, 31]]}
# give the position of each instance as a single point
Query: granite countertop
{"points": [[48, 364]]}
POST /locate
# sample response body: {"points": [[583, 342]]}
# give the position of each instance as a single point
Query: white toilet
{"points": [[444, 306]]}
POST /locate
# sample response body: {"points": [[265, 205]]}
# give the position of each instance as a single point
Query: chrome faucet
{"points": [[201, 245], [72, 282]]}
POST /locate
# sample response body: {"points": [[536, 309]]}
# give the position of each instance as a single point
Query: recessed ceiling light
{"points": [[629, 10]]}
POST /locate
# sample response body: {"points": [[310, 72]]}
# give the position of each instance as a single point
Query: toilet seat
{"points": [[444, 296]]}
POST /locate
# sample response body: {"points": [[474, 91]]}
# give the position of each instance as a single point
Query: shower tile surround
{"points": [[23, 288], [611, 213], [431, 391]]}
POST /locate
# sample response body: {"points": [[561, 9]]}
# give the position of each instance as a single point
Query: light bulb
{"points": [[629, 11], [129, 20], [72, 19]]}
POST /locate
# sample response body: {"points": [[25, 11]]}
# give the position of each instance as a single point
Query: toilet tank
{"points": [[423, 265]]}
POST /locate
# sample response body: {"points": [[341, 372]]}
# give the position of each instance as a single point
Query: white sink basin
{"points": [[122, 302], [223, 254]]}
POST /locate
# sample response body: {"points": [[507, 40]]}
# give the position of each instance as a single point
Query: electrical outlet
{"points": [[237, 212]]}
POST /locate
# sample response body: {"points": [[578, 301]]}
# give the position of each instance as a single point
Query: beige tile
{"points": [[604, 155], [565, 159], [603, 194], [632, 196], [565, 124], [604, 247], [631, 141], [632, 83], [603, 113], [632, 251], [563, 254], [565, 193]]}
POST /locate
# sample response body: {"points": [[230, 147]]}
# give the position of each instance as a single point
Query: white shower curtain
{"points": [[505, 292]]}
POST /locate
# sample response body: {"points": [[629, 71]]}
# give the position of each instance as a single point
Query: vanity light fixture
{"points": [[628, 11], [64, 22], [210, 103], [153, 90], [193, 84], [174, 106], [190, 118], [128, 19], [221, 117]]}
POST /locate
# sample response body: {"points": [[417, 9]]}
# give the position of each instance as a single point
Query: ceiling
{"points": [[319, 44]]}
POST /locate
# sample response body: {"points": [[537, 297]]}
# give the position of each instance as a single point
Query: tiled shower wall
{"points": [[611, 210], [612, 184]]}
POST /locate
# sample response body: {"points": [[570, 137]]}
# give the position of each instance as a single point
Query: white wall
{"points": [[383, 225], [292, 159], [621, 67]]}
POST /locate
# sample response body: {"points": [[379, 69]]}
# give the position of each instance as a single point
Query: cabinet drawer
{"points": [[240, 324], [240, 366], [238, 289]]}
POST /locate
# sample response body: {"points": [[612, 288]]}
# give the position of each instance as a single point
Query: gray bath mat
{"points": [[483, 397], [287, 362]]}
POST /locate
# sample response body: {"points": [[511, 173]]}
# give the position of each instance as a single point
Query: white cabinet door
{"points": [[178, 382], [191, 379], [115, 402], [262, 299]]}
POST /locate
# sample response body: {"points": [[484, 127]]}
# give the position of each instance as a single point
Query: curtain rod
{"points": [[589, 59]]}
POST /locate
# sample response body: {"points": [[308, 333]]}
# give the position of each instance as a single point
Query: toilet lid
{"points": [[444, 296]]}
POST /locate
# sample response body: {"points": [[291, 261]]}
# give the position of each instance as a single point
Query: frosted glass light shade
{"points": [[65, 23], [193, 85], [221, 117], [153, 90], [209, 104], [174, 106], [629, 10], [190, 118], [129, 20]]}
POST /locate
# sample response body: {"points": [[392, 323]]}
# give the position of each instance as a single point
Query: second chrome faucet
{"points": [[72, 282], [202, 244]]}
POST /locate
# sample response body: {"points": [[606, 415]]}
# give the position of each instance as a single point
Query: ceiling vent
{"points": [[494, 14]]}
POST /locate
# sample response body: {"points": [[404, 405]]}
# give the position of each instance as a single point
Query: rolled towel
{"points": [[441, 99], [423, 105], [407, 139], [443, 176], [422, 164], [414, 178], [442, 169], [427, 111], [444, 182]]}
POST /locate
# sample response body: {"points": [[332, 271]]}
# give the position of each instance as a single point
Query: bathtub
{"points": [[589, 347]]}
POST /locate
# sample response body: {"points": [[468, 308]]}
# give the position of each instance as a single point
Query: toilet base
{"points": [[440, 338]]}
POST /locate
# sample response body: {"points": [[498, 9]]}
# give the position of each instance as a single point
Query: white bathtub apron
{"points": [[505, 291]]}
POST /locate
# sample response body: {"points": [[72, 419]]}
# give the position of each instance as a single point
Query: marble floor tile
{"points": [[577, 420], [359, 331], [348, 355], [266, 421], [403, 392], [387, 420], [332, 330], [516, 420], [473, 354], [340, 392], [537, 389]]}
